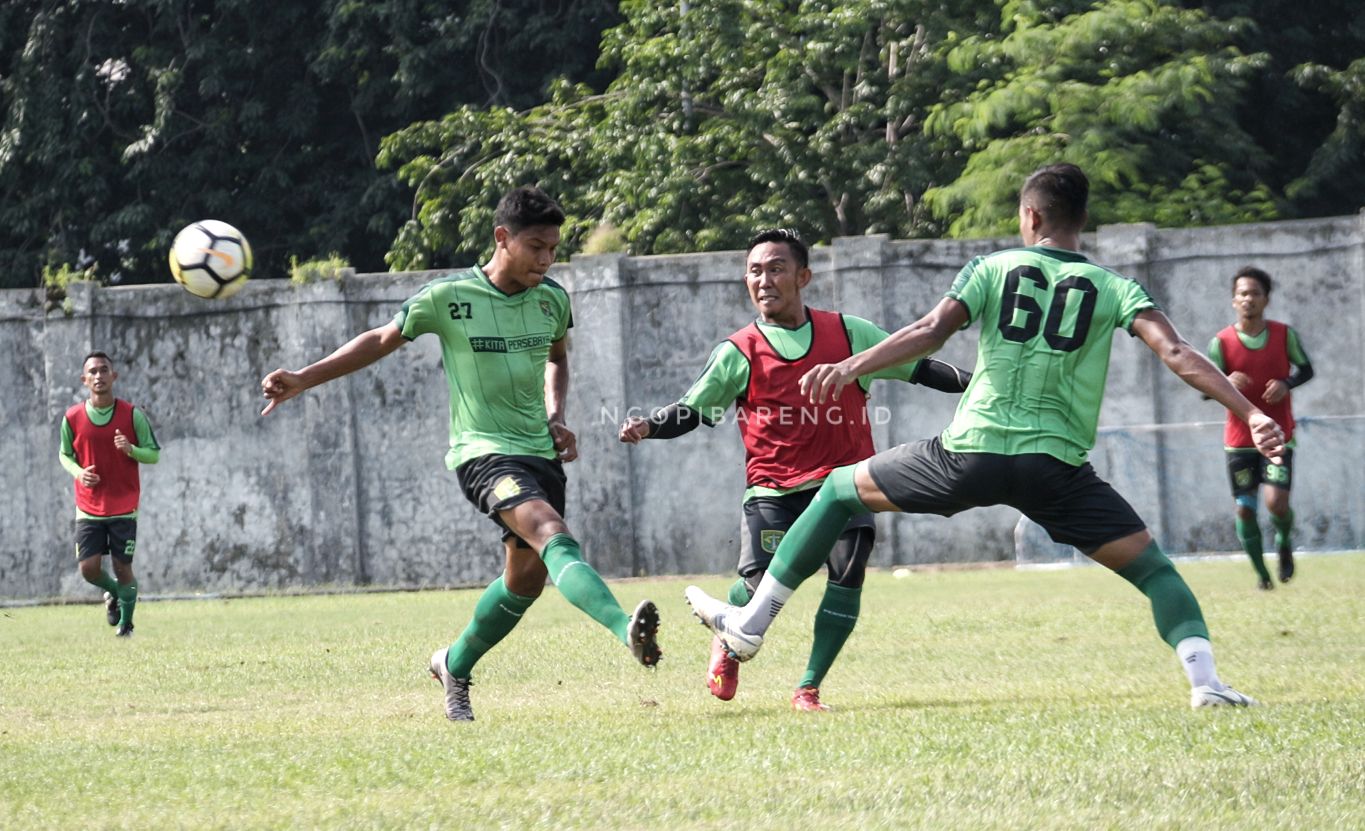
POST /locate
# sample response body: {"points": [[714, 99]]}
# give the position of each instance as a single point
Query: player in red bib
{"points": [[790, 445], [104, 439], [1264, 359]]}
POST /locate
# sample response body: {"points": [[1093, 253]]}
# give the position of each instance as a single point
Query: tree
{"points": [[121, 122]]}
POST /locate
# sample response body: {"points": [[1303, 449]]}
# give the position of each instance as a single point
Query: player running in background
{"points": [[790, 444], [503, 331], [100, 456], [1264, 359], [1024, 428]]}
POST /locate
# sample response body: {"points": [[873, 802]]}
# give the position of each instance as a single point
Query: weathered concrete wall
{"points": [[346, 485]]}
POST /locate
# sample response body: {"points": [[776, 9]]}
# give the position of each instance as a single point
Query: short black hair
{"points": [[526, 206], [95, 354], [783, 235], [1059, 192], [1254, 273]]}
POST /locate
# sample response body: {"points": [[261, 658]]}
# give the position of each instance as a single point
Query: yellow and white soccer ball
{"points": [[211, 259]]}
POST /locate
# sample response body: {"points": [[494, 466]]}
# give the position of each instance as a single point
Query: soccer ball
{"points": [[211, 259]]}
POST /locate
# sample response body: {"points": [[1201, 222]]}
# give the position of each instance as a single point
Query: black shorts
{"points": [[1073, 504], [495, 483], [1248, 470], [115, 537], [768, 518]]}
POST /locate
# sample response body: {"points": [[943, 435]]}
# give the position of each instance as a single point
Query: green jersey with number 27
{"points": [[1047, 317], [494, 347]]}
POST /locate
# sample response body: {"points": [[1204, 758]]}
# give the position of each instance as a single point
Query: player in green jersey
{"points": [[785, 467], [1265, 360], [503, 332], [98, 453], [1023, 429]]}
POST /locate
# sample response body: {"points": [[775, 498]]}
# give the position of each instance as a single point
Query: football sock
{"points": [[806, 545], [582, 586], [1283, 525], [1174, 608], [495, 615], [127, 599], [804, 549], [1249, 532], [104, 581], [834, 622], [739, 593], [1196, 657]]}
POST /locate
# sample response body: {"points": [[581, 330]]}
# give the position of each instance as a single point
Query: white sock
{"points": [[1196, 656], [758, 614]]}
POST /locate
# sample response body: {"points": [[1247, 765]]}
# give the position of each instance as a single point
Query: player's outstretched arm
{"points": [[920, 338], [677, 419], [1192, 367], [357, 353]]}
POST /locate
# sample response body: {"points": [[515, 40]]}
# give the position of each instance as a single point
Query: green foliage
{"points": [[604, 239], [1139, 93], [989, 699], [57, 282], [122, 122], [331, 267]]}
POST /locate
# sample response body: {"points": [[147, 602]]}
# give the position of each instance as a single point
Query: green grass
{"points": [[966, 699]]}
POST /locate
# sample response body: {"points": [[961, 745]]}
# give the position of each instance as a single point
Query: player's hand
{"points": [[1240, 380], [89, 478], [1268, 436], [122, 443], [566, 443], [825, 382], [1275, 391], [280, 386], [633, 430]]}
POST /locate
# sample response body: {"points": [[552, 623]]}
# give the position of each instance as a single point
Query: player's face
{"points": [[1248, 298], [775, 279], [98, 376], [530, 252]]}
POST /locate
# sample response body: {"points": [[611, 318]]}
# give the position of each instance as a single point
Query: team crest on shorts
{"points": [[506, 488], [1243, 478], [770, 540]]}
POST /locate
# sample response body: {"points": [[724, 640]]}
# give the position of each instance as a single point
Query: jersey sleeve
{"points": [[67, 455], [862, 336], [1294, 346], [1133, 300], [1216, 353], [969, 288], [147, 452], [417, 315], [722, 381]]}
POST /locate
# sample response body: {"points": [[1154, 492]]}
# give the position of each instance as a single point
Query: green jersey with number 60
{"points": [[1047, 318], [494, 347]]}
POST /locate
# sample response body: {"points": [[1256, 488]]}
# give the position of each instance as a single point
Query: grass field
{"points": [[966, 699]]}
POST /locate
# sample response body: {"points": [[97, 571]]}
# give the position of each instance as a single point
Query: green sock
{"points": [[806, 545], [1284, 525], [495, 615], [1249, 532], [582, 586], [104, 581], [127, 599], [834, 622], [739, 593], [1174, 608]]}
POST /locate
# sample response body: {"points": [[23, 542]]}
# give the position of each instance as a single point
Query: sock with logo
{"points": [[495, 615], [127, 600], [1174, 609], [1249, 532], [1284, 525], [1196, 658], [582, 586], [834, 622]]}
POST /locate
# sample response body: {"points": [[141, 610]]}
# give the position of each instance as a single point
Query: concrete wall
{"points": [[346, 485]]}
